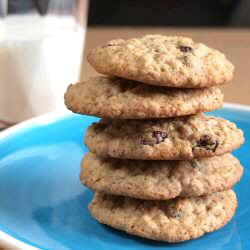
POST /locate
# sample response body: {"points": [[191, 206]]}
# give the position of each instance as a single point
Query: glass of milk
{"points": [[41, 48]]}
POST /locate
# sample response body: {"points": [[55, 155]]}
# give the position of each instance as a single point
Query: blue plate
{"points": [[44, 205]]}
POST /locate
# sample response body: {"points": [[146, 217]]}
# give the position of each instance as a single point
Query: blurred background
{"points": [[167, 13], [43, 43]]}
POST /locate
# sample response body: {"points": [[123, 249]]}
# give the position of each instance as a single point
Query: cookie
{"points": [[175, 220], [163, 60], [118, 98], [160, 180], [187, 137]]}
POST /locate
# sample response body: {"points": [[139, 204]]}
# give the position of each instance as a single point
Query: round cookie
{"points": [[163, 60], [160, 180], [118, 98], [175, 220], [187, 137]]}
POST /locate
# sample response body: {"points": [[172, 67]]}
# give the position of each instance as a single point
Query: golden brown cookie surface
{"points": [[179, 138], [164, 61], [118, 98], [175, 220], [160, 180]]}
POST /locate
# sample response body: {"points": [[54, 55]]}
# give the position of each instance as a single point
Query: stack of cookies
{"points": [[161, 169]]}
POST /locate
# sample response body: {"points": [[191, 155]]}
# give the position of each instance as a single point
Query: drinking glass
{"points": [[41, 48]]}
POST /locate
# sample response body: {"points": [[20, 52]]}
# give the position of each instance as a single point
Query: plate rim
{"points": [[10, 242]]}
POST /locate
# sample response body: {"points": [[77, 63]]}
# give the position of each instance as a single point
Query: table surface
{"points": [[235, 43]]}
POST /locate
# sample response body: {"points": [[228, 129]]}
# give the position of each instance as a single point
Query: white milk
{"points": [[39, 57]]}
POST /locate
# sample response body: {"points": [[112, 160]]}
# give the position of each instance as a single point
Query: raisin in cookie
{"points": [[118, 98], [175, 220], [164, 61], [160, 180], [187, 137]]}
